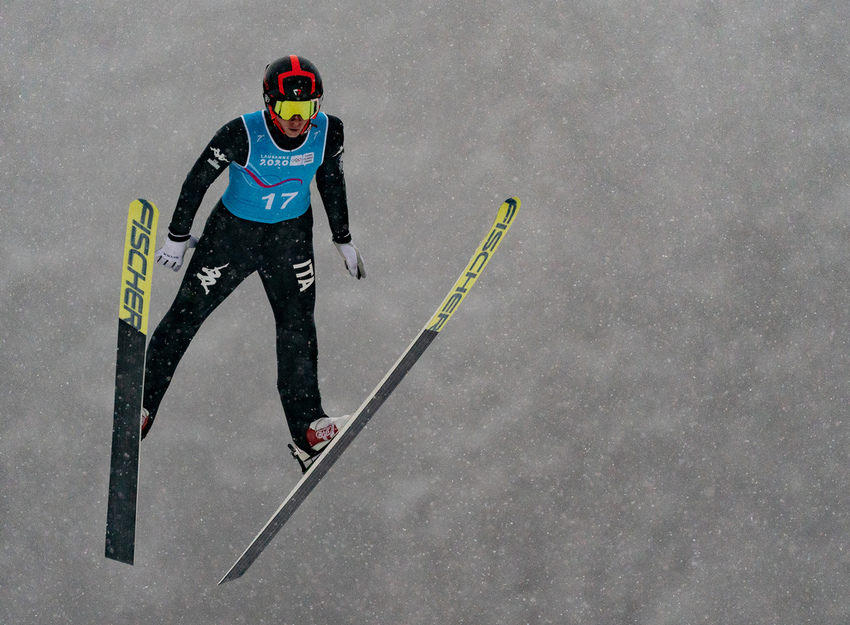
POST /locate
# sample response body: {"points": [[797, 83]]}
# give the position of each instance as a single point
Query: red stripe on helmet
{"points": [[296, 71]]}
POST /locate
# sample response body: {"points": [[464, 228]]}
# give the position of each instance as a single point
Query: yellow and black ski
{"points": [[322, 463], [133, 316]]}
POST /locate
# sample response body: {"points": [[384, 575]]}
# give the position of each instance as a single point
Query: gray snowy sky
{"points": [[637, 417]]}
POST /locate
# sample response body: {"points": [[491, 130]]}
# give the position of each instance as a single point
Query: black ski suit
{"points": [[230, 249]]}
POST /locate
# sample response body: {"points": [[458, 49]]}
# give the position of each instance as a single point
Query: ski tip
{"points": [[509, 209], [504, 219], [143, 202]]}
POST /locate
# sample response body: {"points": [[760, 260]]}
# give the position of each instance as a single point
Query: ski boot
{"points": [[319, 434]]}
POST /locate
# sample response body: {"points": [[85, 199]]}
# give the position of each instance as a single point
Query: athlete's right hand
{"points": [[171, 253]]}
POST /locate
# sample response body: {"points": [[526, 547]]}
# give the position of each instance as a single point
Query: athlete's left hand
{"points": [[353, 259]]}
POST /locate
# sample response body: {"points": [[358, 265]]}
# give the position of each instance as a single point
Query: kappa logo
{"points": [[210, 276], [219, 156]]}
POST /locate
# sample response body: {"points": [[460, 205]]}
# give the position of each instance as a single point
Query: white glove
{"points": [[353, 259], [171, 253]]}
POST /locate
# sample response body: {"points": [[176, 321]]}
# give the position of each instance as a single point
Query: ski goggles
{"points": [[287, 109]]}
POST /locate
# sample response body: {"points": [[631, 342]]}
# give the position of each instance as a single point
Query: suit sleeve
{"points": [[330, 181], [229, 144]]}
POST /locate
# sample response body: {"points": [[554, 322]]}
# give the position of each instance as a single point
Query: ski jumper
{"points": [[262, 223]]}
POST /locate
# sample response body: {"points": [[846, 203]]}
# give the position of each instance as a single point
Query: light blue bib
{"points": [[274, 184]]}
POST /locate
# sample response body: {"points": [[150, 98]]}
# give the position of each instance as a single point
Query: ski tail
{"points": [[322, 463], [133, 314]]}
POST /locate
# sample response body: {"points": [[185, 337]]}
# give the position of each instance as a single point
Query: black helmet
{"points": [[292, 78]]}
